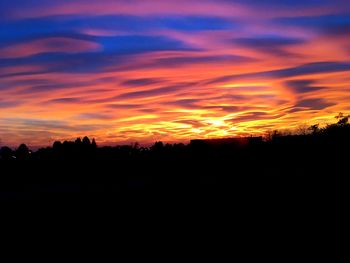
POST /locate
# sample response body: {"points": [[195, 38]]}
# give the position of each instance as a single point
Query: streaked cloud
{"points": [[303, 86]]}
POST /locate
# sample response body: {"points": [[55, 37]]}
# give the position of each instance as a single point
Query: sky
{"points": [[125, 71]]}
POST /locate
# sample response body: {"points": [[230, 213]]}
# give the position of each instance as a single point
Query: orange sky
{"points": [[127, 71]]}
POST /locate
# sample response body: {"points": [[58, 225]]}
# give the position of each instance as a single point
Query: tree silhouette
{"points": [[342, 119], [6, 153], [22, 153], [93, 144], [78, 141], [315, 129], [157, 147], [57, 145], [86, 141]]}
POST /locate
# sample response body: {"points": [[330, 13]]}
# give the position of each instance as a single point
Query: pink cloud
{"points": [[54, 44], [132, 7], [228, 9]]}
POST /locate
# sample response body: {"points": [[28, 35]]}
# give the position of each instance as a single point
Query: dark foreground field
{"points": [[286, 170], [241, 179], [277, 196]]}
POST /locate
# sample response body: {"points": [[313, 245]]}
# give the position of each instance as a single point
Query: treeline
{"points": [[337, 135]]}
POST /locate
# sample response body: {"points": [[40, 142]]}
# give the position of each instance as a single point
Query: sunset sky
{"points": [[144, 70]]}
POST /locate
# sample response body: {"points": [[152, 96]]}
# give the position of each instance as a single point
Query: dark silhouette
{"points": [[255, 167], [314, 128], [86, 141], [342, 119], [6, 153], [23, 152], [93, 144]]}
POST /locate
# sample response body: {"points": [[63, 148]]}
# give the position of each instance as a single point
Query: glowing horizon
{"points": [[148, 70]]}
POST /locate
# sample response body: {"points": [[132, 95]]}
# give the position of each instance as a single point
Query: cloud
{"points": [[311, 68], [44, 8], [4, 86], [228, 109], [303, 86], [37, 89], [152, 92], [323, 21], [314, 104], [64, 45], [78, 27], [268, 41], [325, 24], [30, 124], [306, 69], [65, 100], [124, 106], [274, 45], [94, 116], [193, 123], [133, 44], [9, 104], [252, 116], [185, 103], [141, 82], [182, 60], [114, 49], [284, 3]]}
